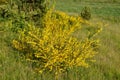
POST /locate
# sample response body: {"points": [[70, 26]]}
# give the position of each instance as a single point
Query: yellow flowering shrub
{"points": [[54, 48]]}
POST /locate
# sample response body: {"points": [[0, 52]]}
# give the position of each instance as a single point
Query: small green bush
{"points": [[86, 13]]}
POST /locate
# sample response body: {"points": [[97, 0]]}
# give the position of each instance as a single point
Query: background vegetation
{"points": [[106, 67]]}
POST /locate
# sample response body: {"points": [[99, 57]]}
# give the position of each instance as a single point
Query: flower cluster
{"points": [[53, 47]]}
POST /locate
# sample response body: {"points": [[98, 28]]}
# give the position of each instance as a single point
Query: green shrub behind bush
{"points": [[86, 13]]}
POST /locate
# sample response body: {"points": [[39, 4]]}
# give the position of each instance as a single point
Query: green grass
{"points": [[108, 11], [106, 67]]}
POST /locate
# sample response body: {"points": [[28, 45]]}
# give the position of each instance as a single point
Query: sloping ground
{"points": [[107, 65]]}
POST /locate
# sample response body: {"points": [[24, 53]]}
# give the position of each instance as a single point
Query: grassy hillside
{"points": [[106, 10], [107, 61], [106, 67]]}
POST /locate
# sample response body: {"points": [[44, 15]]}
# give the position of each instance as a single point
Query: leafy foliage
{"points": [[86, 14]]}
